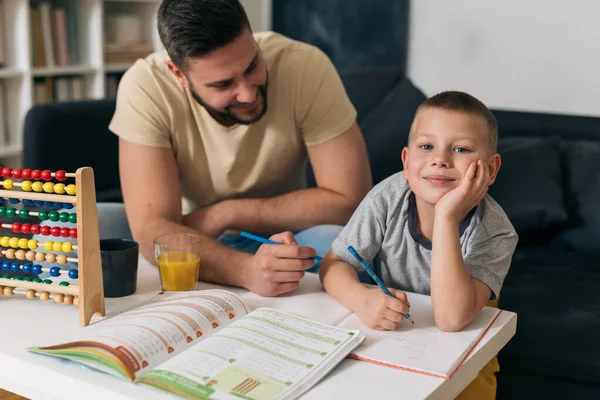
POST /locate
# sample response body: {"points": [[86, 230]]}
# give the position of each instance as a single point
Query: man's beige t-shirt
{"points": [[306, 105]]}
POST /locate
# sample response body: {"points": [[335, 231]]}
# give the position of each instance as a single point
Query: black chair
{"points": [[69, 135]]}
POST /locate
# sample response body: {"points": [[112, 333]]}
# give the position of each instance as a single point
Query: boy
{"points": [[432, 228]]}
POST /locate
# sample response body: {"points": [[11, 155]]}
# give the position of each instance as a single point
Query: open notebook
{"points": [[421, 348], [207, 344]]}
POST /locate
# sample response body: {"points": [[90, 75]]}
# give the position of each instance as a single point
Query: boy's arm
{"points": [[340, 280], [456, 297]]}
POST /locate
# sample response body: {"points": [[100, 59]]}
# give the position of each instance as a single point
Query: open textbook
{"points": [[423, 347], [206, 344]]}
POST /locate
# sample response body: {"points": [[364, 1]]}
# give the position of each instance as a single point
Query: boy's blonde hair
{"points": [[453, 100]]}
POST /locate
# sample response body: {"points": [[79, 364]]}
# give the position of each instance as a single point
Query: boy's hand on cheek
{"points": [[381, 311], [455, 204]]}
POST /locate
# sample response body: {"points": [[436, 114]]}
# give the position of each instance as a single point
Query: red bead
{"points": [[16, 227], [45, 230], [26, 174], [7, 172], [73, 233], [26, 228], [55, 231], [64, 232], [61, 175], [36, 174], [47, 175], [35, 229], [17, 173]]}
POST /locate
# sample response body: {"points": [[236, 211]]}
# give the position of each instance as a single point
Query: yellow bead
{"points": [[23, 243], [48, 245], [13, 242], [32, 244], [26, 186], [37, 186], [57, 246], [8, 184], [71, 189], [4, 241], [59, 188], [67, 247], [48, 187]]}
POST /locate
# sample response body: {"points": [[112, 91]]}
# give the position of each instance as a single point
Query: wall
{"points": [[533, 55], [259, 14]]}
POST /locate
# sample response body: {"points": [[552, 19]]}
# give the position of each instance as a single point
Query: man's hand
{"points": [[381, 311], [211, 220], [455, 204], [278, 268]]}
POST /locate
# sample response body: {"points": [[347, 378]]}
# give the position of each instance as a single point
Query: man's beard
{"points": [[226, 114]]}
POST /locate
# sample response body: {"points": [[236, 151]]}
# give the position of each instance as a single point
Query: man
{"points": [[226, 120]]}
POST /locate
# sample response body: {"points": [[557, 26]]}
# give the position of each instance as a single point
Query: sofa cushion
{"points": [[556, 298], [582, 188], [387, 127], [529, 186]]}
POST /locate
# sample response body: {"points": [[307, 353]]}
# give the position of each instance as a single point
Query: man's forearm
{"points": [[218, 263], [292, 211], [452, 291]]}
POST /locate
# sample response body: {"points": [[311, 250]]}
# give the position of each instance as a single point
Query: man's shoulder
{"points": [[273, 44], [152, 70], [288, 55]]}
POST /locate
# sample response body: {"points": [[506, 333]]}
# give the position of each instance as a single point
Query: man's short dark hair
{"points": [[463, 102], [194, 28]]}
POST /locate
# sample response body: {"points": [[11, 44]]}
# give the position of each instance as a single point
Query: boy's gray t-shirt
{"points": [[384, 231]]}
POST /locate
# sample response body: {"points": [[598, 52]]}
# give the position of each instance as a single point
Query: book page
{"points": [[422, 347], [147, 335], [266, 355]]}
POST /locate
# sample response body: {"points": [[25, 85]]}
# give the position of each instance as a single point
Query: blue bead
{"points": [[47, 204], [15, 267], [1, 200], [73, 273], [68, 206], [5, 266], [27, 202], [27, 268], [38, 203], [54, 271], [36, 269], [58, 205], [14, 201]]}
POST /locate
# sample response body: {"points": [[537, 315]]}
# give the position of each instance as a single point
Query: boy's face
{"points": [[442, 146]]}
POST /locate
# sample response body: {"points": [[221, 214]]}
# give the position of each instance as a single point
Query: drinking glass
{"points": [[178, 259]]}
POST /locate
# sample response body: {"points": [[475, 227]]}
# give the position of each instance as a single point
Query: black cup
{"points": [[119, 266]]}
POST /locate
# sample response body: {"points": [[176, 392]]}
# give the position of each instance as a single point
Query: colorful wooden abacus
{"points": [[22, 253]]}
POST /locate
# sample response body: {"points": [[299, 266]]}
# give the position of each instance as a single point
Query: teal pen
{"points": [[375, 277], [267, 241]]}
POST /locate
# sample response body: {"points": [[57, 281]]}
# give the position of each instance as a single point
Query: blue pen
{"points": [[267, 241], [375, 277]]}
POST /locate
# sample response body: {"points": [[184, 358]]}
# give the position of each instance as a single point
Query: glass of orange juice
{"points": [[178, 259]]}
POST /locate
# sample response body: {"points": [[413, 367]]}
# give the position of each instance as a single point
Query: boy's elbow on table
{"points": [[451, 321]]}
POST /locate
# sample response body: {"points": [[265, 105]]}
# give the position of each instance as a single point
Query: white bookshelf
{"points": [[20, 72]]}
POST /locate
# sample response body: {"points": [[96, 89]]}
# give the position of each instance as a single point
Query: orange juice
{"points": [[178, 270]]}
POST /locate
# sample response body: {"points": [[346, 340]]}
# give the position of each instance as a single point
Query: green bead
{"points": [[6, 276], [63, 217], [2, 211], [43, 215], [18, 278], [11, 212], [37, 280], [47, 281], [27, 278], [53, 216], [73, 218], [24, 213], [64, 283]]}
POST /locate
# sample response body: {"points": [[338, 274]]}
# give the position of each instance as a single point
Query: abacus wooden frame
{"points": [[90, 288]]}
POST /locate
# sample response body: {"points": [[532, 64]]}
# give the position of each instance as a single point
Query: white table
{"points": [[33, 322]]}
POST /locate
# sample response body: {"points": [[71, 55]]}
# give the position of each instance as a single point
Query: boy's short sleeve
{"points": [[489, 255], [323, 108], [141, 115], [364, 231]]}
